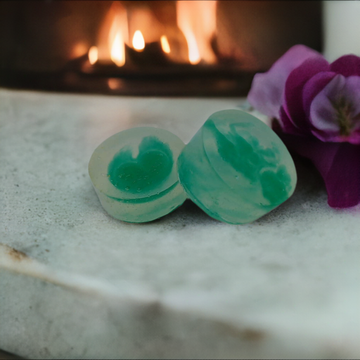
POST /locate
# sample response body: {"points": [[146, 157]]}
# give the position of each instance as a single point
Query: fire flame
{"points": [[117, 39], [138, 41], [113, 35], [118, 50], [197, 21], [165, 44], [194, 54], [93, 55]]}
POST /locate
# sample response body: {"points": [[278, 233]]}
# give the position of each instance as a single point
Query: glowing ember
{"points": [[138, 41], [165, 44], [118, 50], [79, 49], [93, 55], [197, 21], [114, 84]]}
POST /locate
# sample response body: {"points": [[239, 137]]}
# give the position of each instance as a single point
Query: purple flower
{"points": [[316, 106]]}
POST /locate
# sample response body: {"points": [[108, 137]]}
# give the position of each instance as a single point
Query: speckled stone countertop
{"points": [[75, 283]]}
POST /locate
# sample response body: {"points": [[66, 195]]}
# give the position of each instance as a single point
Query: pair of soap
{"points": [[235, 168]]}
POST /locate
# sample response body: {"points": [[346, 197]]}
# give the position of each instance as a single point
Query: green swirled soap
{"points": [[236, 168], [134, 174]]}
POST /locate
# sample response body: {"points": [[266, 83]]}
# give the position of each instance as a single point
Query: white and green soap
{"points": [[236, 168], [134, 173]]}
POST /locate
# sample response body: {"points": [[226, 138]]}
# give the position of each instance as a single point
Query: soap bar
{"points": [[236, 168], [134, 174]]}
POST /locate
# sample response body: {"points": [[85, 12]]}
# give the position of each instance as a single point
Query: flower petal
{"points": [[346, 65], [294, 89], [267, 89], [323, 115], [343, 178], [338, 164], [287, 125], [352, 92], [335, 111], [314, 86]]}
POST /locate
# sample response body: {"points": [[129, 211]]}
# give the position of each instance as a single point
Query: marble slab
{"points": [[76, 283]]}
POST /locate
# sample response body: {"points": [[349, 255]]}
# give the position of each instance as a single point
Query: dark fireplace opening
{"points": [[176, 48]]}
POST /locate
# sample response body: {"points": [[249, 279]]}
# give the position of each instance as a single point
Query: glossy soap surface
{"points": [[236, 168], [134, 174], [148, 170]]}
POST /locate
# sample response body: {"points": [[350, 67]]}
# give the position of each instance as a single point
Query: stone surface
{"points": [[134, 173], [184, 286], [236, 168], [7, 356]]}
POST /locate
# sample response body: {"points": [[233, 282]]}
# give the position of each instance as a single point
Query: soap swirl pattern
{"points": [[254, 162], [147, 171]]}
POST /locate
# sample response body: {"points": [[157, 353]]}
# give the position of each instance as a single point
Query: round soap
{"points": [[236, 168], [135, 175]]}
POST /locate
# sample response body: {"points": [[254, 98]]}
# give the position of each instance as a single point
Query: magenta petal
{"points": [[352, 93], [325, 117], [343, 179], [313, 87], [346, 65], [267, 89], [287, 125], [338, 164], [294, 87]]}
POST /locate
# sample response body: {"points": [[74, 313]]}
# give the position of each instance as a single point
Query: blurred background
{"points": [[181, 48]]}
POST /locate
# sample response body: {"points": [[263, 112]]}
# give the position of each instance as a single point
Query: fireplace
{"points": [[193, 48]]}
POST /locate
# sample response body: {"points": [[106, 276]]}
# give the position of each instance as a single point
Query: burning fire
{"points": [[165, 44], [93, 55], [118, 50], [138, 41], [195, 19], [194, 55], [117, 37], [112, 37]]}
